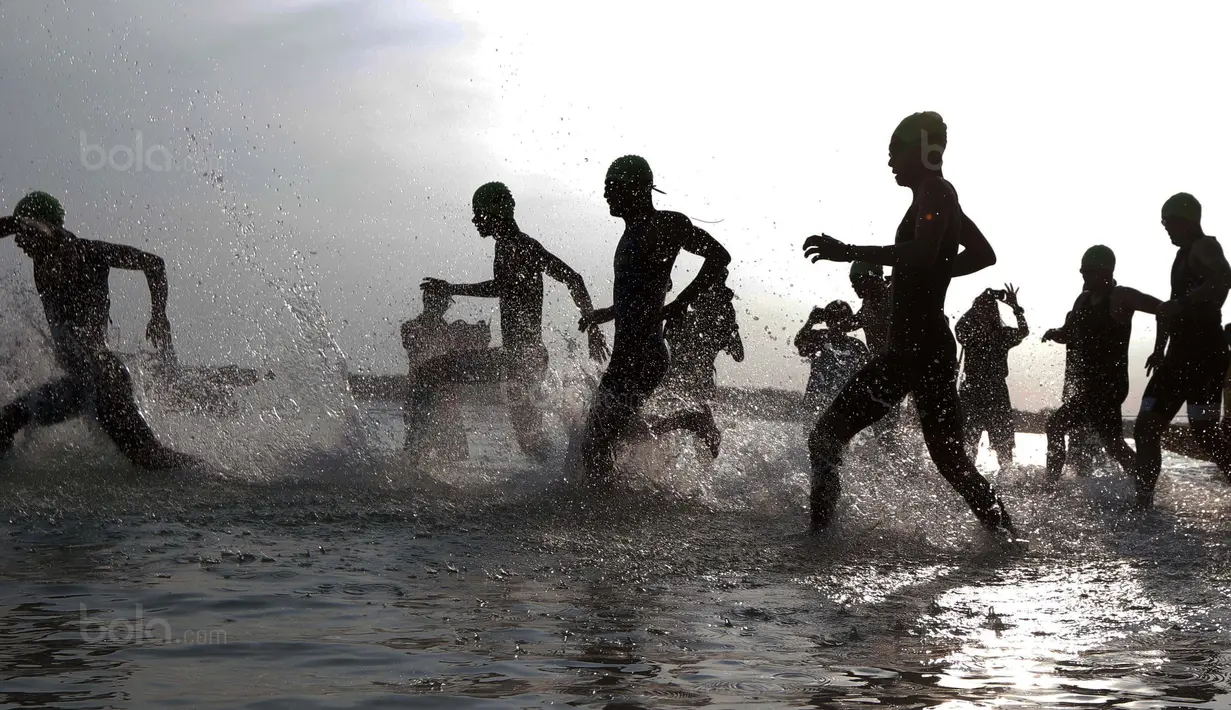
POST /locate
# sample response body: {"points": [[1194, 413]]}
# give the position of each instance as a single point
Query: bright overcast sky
{"points": [[350, 135]]}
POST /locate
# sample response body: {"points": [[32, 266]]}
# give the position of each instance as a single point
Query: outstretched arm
{"points": [[937, 207], [1131, 300], [483, 289], [977, 253]]}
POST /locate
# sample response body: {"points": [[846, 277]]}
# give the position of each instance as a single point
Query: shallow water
{"points": [[349, 581]]}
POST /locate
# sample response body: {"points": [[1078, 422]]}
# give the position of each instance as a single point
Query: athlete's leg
{"points": [[1203, 392], [1160, 402], [934, 384], [867, 397], [121, 418], [973, 419], [52, 403], [526, 370], [1064, 421], [1108, 423], [700, 421], [1000, 430], [629, 381]]}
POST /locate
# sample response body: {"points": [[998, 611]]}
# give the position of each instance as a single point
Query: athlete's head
{"points": [[436, 302], [917, 147], [628, 185], [1098, 267], [1182, 218], [867, 278], [838, 315], [493, 209], [48, 217]]}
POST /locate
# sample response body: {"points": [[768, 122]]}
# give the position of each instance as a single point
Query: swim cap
{"points": [[40, 206], [838, 310], [632, 170], [863, 268], [1099, 257], [495, 199], [925, 128], [1182, 205]]}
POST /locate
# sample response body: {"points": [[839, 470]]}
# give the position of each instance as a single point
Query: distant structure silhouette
{"points": [[71, 276], [984, 391], [921, 357], [1190, 358], [1096, 332], [521, 360], [644, 258]]}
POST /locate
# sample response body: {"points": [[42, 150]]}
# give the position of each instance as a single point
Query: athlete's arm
{"points": [[1126, 301], [555, 267], [933, 214], [1015, 336], [1211, 263], [119, 256], [695, 240], [977, 253], [483, 289], [8, 227]]}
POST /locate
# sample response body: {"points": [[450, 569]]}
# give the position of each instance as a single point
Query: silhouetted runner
{"points": [[646, 253], [707, 328], [71, 276], [429, 336], [984, 391], [1190, 354], [835, 356], [922, 357], [521, 359], [1096, 332]]}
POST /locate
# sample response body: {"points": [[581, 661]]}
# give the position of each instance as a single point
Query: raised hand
{"points": [[1010, 296], [825, 248]]}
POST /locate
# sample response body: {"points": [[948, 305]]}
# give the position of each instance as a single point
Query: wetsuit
{"points": [[72, 282], [1096, 382], [921, 360], [1192, 371], [520, 361], [639, 356], [985, 390]]}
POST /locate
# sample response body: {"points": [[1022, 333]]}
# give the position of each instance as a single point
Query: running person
{"points": [[922, 357], [870, 285], [694, 341], [643, 261], [1190, 355], [521, 360], [835, 355], [1097, 333], [984, 391], [71, 276]]}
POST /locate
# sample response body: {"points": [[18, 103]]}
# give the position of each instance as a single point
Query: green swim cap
{"points": [[632, 170], [40, 206], [1099, 257], [1182, 205], [924, 128], [494, 198], [863, 268]]}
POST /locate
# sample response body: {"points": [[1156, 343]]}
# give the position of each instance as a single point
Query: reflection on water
{"points": [[498, 583]]}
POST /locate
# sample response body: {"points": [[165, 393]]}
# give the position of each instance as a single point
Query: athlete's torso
{"points": [[643, 261], [1199, 324], [74, 289], [518, 268], [1098, 349], [917, 294]]}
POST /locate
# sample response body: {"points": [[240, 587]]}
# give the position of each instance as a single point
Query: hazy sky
{"points": [[335, 144]]}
